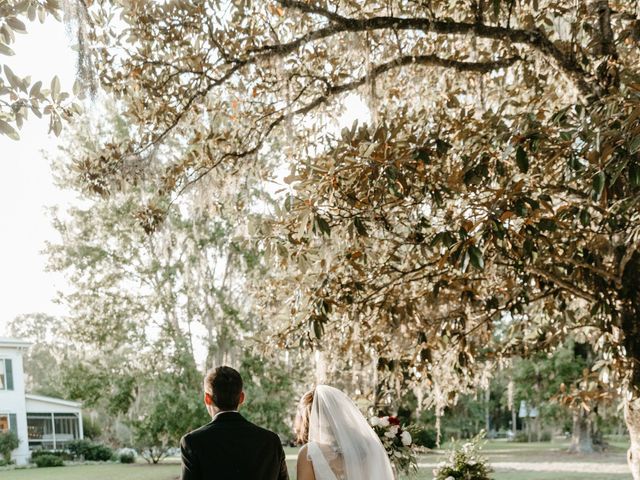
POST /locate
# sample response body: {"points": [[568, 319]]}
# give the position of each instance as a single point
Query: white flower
{"points": [[391, 433], [449, 478], [374, 421], [383, 422], [472, 462], [406, 438]]}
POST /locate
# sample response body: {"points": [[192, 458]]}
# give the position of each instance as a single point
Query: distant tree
{"points": [[49, 355], [172, 406], [542, 378], [271, 387]]}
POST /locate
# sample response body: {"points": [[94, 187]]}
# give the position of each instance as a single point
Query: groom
{"points": [[230, 447]]}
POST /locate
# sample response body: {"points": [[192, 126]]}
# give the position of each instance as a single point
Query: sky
{"points": [[26, 184]]}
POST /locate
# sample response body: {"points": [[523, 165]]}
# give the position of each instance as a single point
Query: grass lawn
{"points": [[111, 471], [512, 461]]}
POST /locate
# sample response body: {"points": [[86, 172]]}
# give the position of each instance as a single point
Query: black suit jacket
{"points": [[232, 448]]}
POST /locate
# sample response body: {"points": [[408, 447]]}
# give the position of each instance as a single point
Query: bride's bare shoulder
{"points": [[303, 451], [304, 467]]}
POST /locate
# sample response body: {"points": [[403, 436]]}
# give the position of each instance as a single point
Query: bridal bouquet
{"points": [[397, 442]]}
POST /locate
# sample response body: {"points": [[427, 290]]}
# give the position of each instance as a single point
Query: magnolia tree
{"points": [[21, 97], [488, 208]]}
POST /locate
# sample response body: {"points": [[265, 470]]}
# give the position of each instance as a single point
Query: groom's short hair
{"points": [[224, 384]]}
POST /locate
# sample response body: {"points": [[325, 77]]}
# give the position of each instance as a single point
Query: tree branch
{"points": [[533, 38], [562, 283]]}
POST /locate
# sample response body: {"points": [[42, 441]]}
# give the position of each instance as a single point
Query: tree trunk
{"points": [[632, 417], [630, 293], [487, 411], [581, 441]]}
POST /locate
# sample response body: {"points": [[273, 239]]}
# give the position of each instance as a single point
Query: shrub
{"points": [[100, 453], [79, 447], [425, 438], [545, 436], [48, 461], [8, 442], [127, 458], [3, 462], [90, 451], [63, 454], [521, 437]]}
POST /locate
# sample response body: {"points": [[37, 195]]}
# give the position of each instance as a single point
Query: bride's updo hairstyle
{"points": [[302, 417]]}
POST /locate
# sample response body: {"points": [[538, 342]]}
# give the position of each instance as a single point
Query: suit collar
{"points": [[228, 416]]}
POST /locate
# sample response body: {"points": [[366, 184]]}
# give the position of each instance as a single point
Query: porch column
{"points": [[80, 424], [53, 431]]}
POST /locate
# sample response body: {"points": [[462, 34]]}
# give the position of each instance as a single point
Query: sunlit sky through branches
{"points": [[27, 185]]}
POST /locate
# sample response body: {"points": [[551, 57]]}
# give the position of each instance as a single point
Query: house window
{"points": [[4, 423], [3, 375]]}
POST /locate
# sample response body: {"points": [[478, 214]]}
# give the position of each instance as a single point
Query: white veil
{"points": [[341, 439]]}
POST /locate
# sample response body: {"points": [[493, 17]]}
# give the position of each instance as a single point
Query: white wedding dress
{"points": [[342, 445]]}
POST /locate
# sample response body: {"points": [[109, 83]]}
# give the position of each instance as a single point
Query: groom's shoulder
{"points": [[198, 432], [215, 428], [264, 431]]}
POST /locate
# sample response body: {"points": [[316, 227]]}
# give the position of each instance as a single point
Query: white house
{"points": [[40, 422]]}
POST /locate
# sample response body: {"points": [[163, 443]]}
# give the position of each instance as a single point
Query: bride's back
{"points": [[327, 461], [341, 445]]}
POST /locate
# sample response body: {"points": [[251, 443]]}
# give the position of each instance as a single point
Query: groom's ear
{"points": [[241, 399], [208, 399]]}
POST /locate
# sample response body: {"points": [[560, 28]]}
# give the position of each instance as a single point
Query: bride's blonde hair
{"points": [[304, 414]]}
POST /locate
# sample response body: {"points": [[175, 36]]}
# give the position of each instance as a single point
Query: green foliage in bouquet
{"points": [[397, 441], [465, 462]]}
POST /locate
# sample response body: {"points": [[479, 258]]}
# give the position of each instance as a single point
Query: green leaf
{"points": [[8, 130], [5, 50], [35, 89], [634, 175], [318, 327], [16, 25], [475, 255], [442, 147], [585, 217], [14, 80], [323, 225], [55, 88], [422, 155], [288, 203], [547, 224], [598, 185], [521, 208], [360, 228], [634, 146], [529, 247], [521, 159]]}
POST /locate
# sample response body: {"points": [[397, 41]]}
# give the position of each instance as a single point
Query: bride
{"points": [[338, 442]]}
